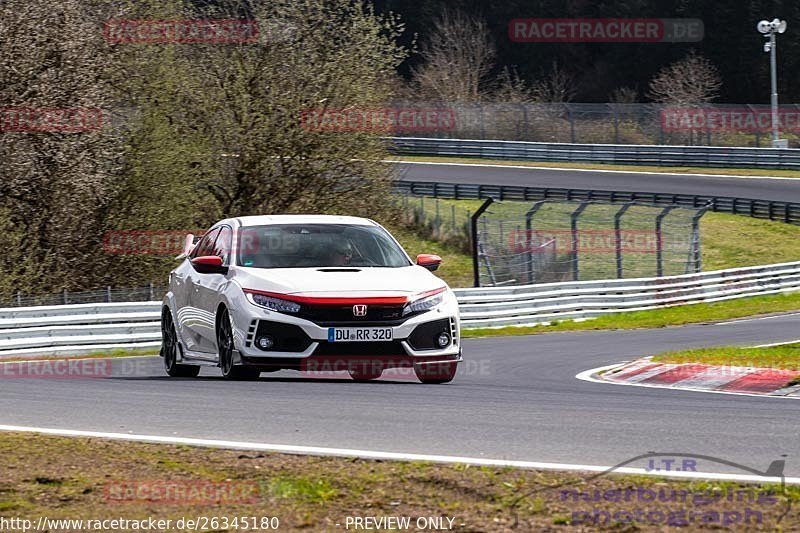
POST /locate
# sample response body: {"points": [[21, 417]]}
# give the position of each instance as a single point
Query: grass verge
{"points": [[600, 166], [80, 478], [786, 357], [659, 318]]}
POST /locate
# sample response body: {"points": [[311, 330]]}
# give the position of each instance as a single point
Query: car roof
{"points": [[264, 220]]}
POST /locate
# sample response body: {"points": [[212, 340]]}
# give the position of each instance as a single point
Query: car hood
{"points": [[362, 281]]}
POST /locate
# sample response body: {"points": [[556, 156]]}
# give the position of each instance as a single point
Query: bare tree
{"points": [[691, 81], [458, 58], [557, 87], [512, 89], [245, 103], [56, 185], [624, 95]]}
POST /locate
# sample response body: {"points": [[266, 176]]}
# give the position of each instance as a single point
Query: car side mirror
{"points": [[429, 261], [209, 264]]}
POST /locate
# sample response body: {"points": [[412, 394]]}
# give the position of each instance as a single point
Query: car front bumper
{"points": [[247, 318]]}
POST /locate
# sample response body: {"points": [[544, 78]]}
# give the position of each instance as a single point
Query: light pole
{"points": [[770, 29]]}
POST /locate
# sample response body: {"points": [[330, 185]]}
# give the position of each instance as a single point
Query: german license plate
{"points": [[359, 334]]}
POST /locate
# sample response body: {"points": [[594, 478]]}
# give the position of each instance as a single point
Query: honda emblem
{"points": [[360, 310]]}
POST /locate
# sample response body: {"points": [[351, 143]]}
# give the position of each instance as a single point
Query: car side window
{"points": [[205, 246], [223, 244]]}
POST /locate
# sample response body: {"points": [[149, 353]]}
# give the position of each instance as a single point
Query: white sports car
{"points": [[309, 293]]}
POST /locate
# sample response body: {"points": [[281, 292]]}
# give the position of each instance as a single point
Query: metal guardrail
{"points": [[788, 212], [79, 329], [537, 304], [621, 154], [70, 330]]}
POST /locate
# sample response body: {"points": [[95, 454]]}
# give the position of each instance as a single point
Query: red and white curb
{"points": [[749, 381]]}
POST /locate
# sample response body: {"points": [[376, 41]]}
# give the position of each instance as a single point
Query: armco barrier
{"points": [[620, 154], [536, 304], [79, 329], [76, 329]]}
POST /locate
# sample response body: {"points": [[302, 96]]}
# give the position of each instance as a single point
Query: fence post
{"points": [[529, 238], [571, 124], [698, 258], [19, 298], [616, 124], [438, 221], [660, 241], [152, 292], [574, 228], [474, 229], [108, 294], [64, 297], [526, 128], [618, 236]]}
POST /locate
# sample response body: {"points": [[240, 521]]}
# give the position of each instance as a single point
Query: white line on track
{"points": [[777, 344], [392, 456], [644, 172], [740, 320], [589, 375]]}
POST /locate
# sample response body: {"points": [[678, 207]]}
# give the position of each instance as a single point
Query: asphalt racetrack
{"points": [[515, 398], [782, 189]]}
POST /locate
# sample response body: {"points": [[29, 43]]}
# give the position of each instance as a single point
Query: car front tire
{"points": [[225, 348], [169, 350]]}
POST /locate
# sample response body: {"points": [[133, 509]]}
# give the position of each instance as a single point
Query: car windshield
{"points": [[318, 245]]}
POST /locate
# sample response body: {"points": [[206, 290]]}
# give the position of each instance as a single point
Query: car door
{"points": [[192, 319], [207, 291]]}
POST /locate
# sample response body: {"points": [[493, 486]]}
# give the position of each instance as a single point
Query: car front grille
{"points": [[334, 315]]}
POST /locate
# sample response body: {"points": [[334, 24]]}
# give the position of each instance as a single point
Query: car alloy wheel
{"points": [[225, 351], [169, 350]]}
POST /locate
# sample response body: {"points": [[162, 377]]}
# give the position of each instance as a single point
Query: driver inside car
{"points": [[342, 253]]}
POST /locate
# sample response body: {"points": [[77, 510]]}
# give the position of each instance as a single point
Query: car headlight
{"points": [[425, 301], [273, 303]]}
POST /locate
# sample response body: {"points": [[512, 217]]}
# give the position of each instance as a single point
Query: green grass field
{"points": [[785, 357]]}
